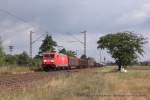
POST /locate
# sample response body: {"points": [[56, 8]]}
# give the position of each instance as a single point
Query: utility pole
{"points": [[77, 52], [104, 60], [82, 42], [11, 49], [31, 43], [100, 55], [84, 32]]}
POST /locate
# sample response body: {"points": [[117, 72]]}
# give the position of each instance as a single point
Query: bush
{"points": [[23, 59], [2, 54], [35, 62], [11, 59], [2, 58]]}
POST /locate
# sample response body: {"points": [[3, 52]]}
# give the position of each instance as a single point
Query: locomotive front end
{"points": [[48, 60]]}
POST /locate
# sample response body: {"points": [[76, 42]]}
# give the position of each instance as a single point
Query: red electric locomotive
{"points": [[54, 60]]}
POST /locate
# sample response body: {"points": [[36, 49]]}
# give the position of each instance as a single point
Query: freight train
{"points": [[55, 60]]}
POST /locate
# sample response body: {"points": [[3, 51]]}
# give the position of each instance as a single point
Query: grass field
{"points": [[89, 84], [16, 69]]}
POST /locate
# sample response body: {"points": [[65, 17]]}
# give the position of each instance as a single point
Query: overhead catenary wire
{"points": [[82, 42], [77, 40], [24, 21], [11, 14], [20, 18], [38, 38]]}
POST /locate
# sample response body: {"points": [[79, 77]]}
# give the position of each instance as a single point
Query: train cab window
{"points": [[49, 56]]}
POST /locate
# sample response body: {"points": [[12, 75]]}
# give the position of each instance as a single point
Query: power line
{"points": [[32, 42], [19, 18], [9, 13], [84, 43], [37, 38], [75, 38], [24, 21]]}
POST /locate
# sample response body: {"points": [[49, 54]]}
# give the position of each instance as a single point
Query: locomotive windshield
{"points": [[48, 55]]}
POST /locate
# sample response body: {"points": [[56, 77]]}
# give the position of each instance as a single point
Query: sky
{"points": [[60, 18]]}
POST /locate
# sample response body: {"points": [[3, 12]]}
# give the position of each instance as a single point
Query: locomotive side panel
{"points": [[61, 60]]}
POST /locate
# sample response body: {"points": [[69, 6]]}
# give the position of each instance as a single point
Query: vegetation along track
{"points": [[19, 81]]}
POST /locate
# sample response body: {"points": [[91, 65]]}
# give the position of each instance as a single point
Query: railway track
{"points": [[19, 81]]}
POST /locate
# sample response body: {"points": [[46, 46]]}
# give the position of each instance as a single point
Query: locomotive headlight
{"points": [[52, 61], [45, 60]]}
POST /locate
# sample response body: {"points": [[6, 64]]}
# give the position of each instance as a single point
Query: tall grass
{"points": [[88, 84], [14, 69]]}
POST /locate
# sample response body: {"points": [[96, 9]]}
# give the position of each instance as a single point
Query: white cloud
{"points": [[58, 17], [137, 15], [16, 34]]}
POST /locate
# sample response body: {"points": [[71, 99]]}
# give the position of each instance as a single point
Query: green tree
{"points": [[36, 62], [68, 52], [124, 47], [11, 59], [63, 51], [48, 44], [83, 56], [24, 59], [2, 54], [71, 53]]}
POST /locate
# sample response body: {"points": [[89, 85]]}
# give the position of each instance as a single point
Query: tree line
{"points": [[23, 59], [124, 47]]}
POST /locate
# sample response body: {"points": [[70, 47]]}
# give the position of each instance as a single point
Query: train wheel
{"points": [[79, 67], [46, 69], [68, 68], [63, 68], [60, 68], [55, 69]]}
